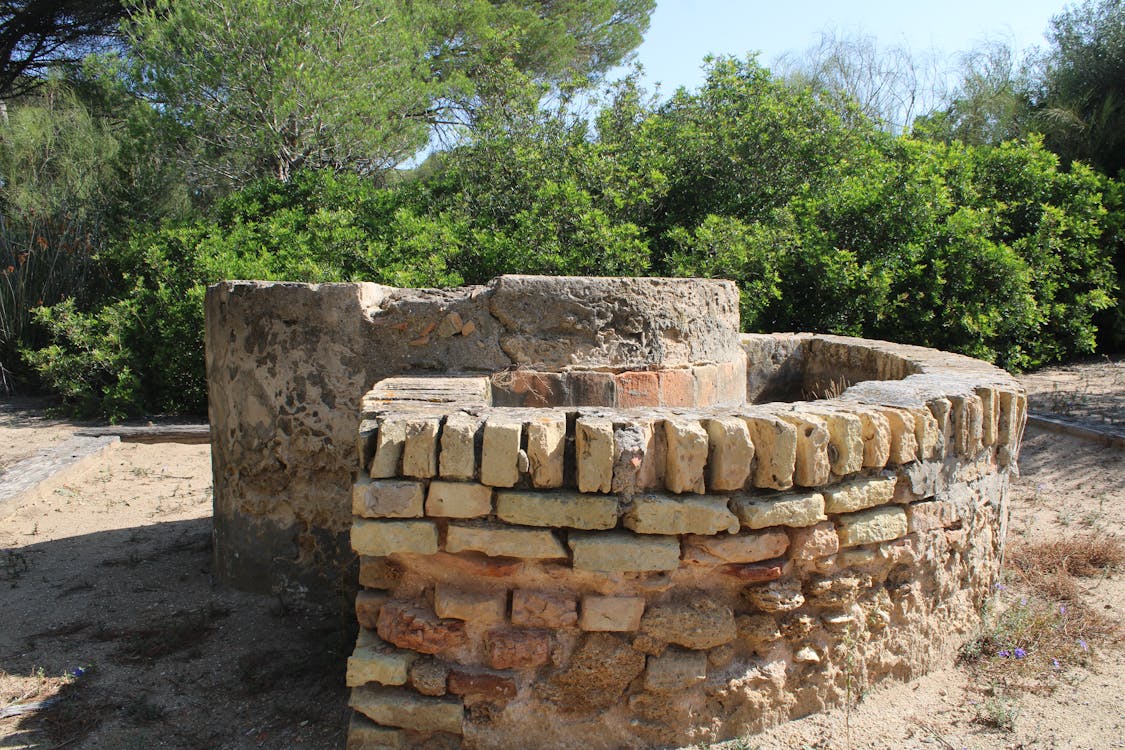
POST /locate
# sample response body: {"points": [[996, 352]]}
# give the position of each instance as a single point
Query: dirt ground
{"points": [[113, 634]]}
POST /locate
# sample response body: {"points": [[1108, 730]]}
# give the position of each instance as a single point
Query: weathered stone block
{"points": [[364, 734], [935, 514], [382, 538], [700, 624], [640, 454], [478, 607], [458, 500], [706, 384], [599, 672], [686, 514], [367, 605], [731, 453], [541, 609], [402, 708], [636, 389], [378, 573], [419, 455], [594, 453], [755, 572], [859, 494], [389, 442], [845, 441], [904, 441], [478, 685], [783, 595], [428, 676], [790, 509], [687, 456], [387, 498], [499, 541], [775, 446], [730, 389], [518, 648], [813, 542], [546, 447], [812, 467], [612, 613], [736, 548], [675, 670], [418, 629], [927, 433], [621, 551], [570, 509], [499, 461], [458, 447], [876, 439], [870, 526], [381, 664]]}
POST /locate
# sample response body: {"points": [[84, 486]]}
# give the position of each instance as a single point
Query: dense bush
{"points": [[826, 224]]}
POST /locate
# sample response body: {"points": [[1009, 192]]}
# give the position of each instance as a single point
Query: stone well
{"points": [[590, 514]]}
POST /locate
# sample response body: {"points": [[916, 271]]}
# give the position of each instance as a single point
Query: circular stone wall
{"points": [[654, 573]]}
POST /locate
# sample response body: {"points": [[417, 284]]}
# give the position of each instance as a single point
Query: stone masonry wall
{"points": [[658, 574]]}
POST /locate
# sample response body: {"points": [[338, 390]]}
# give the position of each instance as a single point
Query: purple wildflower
{"points": [[1004, 653], [1019, 653], [1055, 663], [1082, 645]]}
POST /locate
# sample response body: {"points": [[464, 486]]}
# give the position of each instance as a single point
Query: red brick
{"points": [[638, 389], [592, 388], [677, 388], [731, 385], [538, 389], [409, 626], [477, 565], [755, 572], [706, 383], [518, 649], [484, 685]]}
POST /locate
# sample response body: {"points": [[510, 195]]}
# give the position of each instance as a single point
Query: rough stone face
{"points": [[597, 675], [619, 552], [687, 456], [570, 509], [783, 595], [418, 629], [675, 670], [904, 441], [813, 542], [458, 500], [383, 665], [859, 494], [500, 541], [620, 614], [876, 439], [518, 649], [378, 573], [539, 609], [790, 509], [630, 323], [870, 526], [367, 605], [389, 442], [387, 498], [489, 686], [428, 676], [736, 548], [731, 453], [845, 442], [546, 445], [419, 455], [458, 447], [775, 445], [381, 538], [401, 708], [700, 624], [478, 607], [364, 734], [499, 461], [594, 450], [812, 467], [935, 514], [640, 454], [686, 514]]}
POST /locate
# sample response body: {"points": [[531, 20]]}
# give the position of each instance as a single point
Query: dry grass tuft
{"points": [[1085, 556]]}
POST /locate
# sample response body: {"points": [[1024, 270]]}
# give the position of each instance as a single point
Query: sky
{"points": [[682, 32]]}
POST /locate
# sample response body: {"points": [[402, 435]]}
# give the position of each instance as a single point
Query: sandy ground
{"points": [[108, 613]]}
